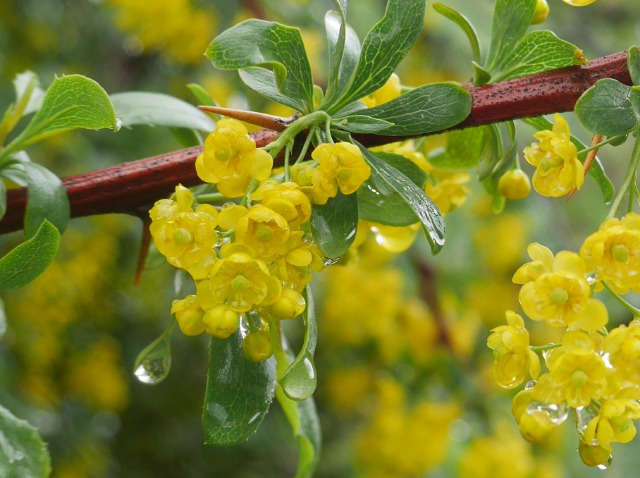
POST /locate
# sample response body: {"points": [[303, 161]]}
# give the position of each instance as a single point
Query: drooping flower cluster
{"points": [[250, 261], [592, 371]]}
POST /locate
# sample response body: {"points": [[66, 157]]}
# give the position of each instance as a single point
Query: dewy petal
{"points": [[203, 172], [538, 252], [594, 316], [566, 261]]}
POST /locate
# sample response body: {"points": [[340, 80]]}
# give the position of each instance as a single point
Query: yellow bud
{"points": [[594, 455], [541, 13], [514, 184], [220, 321], [578, 3], [257, 346]]}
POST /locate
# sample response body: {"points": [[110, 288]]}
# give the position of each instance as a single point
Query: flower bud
{"points": [[514, 184]]}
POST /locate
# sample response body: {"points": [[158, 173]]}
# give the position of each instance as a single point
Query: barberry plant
{"points": [[350, 162]]}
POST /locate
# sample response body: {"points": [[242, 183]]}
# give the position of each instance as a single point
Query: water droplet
{"points": [[606, 464], [244, 327], [153, 371], [153, 364], [328, 261], [606, 358], [311, 371], [557, 413], [583, 416], [118, 125], [546, 354], [530, 384]]}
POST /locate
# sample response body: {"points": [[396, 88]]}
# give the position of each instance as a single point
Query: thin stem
{"points": [[287, 157], [327, 128], [294, 129], [600, 144], [305, 147], [542, 348], [634, 310], [211, 197], [629, 180]]}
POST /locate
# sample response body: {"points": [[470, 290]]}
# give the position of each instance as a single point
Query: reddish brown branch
{"points": [[132, 187]]}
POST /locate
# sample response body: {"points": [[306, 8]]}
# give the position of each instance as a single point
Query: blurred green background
{"points": [[404, 388]]}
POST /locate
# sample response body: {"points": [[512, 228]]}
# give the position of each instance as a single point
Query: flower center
{"points": [[547, 163], [620, 253], [579, 379], [182, 237], [264, 233], [343, 175], [223, 154], [559, 296], [240, 283]]}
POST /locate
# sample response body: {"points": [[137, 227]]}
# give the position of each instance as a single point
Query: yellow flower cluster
{"points": [[558, 170], [592, 371]]}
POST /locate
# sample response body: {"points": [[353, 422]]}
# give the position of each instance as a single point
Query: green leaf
{"points": [[299, 381], [23, 454], [334, 224], [361, 124], [47, 195], [264, 82], [634, 98], [606, 109], [267, 45], [423, 110], [633, 63], [491, 153], [238, 393], [379, 203], [386, 44], [344, 51], [28, 260], [464, 24], [538, 51], [156, 109], [511, 19], [596, 171], [201, 95], [463, 151], [425, 209], [71, 102], [3, 199], [482, 76]]}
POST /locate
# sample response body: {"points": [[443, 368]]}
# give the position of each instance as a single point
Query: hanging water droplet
{"points": [[557, 413], [118, 125], [606, 464], [244, 326], [583, 416], [328, 261], [308, 365], [153, 364], [530, 384], [153, 371]]}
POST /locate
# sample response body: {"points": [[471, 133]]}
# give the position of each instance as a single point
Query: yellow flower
{"points": [[264, 230], [613, 253], [286, 199], [340, 165], [185, 237], [238, 280], [536, 420], [614, 422], [556, 158], [622, 346], [580, 375], [541, 261], [447, 189], [389, 91], [512, 358], [230, 159], [188, 315], [220, 321], [563, 297], [395, 239]]}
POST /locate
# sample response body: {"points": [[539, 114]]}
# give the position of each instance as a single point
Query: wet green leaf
{"points": [[28, 260], [362, 124], [47, 197], [423, 110], [634, 98], [379, 203], [23, 454], [334, 224], [3, 320], [269, 45], [238, 393], [386, 44], [538, 51], [300, 379], [71, 102], [425, 209], [606, 109], [156, 109]]}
